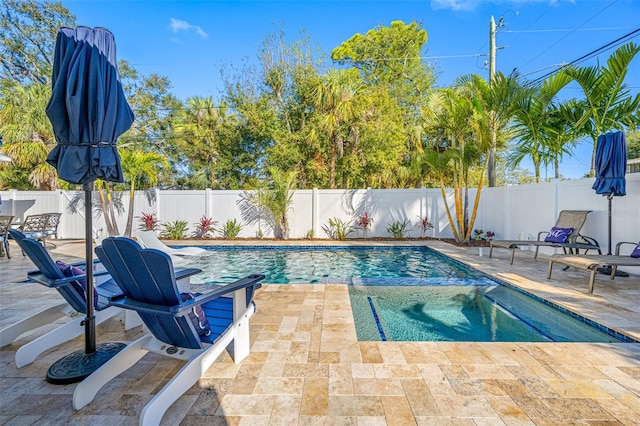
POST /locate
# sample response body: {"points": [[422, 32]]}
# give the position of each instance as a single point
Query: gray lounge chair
{"points": [[5, 224], [575, 241], [593, 263]]}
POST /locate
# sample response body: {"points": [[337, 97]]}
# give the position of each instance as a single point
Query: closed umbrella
{"points": [[88, 111], [611, 165]]}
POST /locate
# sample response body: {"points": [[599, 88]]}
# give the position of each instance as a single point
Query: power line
{"points": [[562, 38], [567, 29], [591, 54]]}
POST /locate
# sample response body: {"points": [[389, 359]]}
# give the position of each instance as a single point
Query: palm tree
{"points": [[562, 133], [28, 135], [334, 98], [136, 165], [198, 126], [277, 200], [607, 103], [452, 115], [532, 125]]}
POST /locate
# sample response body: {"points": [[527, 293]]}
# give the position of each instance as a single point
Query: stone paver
{"points": [[307, 367]]}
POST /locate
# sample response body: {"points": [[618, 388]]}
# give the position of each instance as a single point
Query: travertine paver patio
{"points": [[307, 368]]}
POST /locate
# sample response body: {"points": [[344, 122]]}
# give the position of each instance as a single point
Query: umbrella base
{"points": [[78, 365], [607, 271]]}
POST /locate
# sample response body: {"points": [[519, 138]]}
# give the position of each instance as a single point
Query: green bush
{"points": [[174, 230], [230, 229], [398, 229], [337, 229]]}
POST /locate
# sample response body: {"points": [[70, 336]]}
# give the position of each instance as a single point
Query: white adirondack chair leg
{"points": [[46, 316], [241, 315], [87, 389], [188, 375], [70, 330], [131, 319]]}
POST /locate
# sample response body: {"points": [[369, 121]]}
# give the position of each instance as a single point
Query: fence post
{"points": [[61, 210], [314, 212], [12, 196], [507, 208], [158, 194], [556, 202], [207, 202]]}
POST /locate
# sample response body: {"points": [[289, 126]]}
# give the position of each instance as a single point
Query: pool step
{"points": [[544, 319]]}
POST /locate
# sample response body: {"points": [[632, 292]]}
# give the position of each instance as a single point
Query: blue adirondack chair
{"points": [[73, 307], [147, 281]]}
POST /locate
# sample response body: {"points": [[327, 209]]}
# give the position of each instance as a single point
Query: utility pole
{"points": [[492, 114]]}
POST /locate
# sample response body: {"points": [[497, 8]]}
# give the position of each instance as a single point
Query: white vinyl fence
{"points": [[511, 212]]}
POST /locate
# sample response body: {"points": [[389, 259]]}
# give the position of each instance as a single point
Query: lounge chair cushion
{"points": [[636, 251], [197, 316], [558, 235], [81, 285]]}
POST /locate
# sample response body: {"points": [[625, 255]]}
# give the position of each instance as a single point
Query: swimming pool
{"points": [[493, 313], [391, 286], [368, 265]]}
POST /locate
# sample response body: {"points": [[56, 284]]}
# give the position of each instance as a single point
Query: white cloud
{"points": [[455, 5], [467, 5], [177, 25]]}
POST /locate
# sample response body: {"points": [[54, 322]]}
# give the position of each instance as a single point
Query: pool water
{"points": [[462, 313], [407, 293], [346, 265]]}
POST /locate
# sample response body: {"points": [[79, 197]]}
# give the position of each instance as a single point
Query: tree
{"points": [[389, 58], [275, 109], [607, 102], [137, 165], [455, 116], [633, 143], [155, 108], [198, 126], [28, 31], [334, 99], [562, 133], [533, 125], [275, 198], [27, 136]]}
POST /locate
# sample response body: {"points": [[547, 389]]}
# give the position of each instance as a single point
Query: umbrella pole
{"points": [[606, 270], [609, 197], [90, 320], [78, 365]]}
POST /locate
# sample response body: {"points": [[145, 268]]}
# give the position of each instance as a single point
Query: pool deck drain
{"points": [[307, 367]]}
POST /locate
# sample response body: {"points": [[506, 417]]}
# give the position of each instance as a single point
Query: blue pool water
{"points": [[462, 314], [346, 265], [408, 293]]}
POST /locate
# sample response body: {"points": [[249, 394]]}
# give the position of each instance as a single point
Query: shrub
{"points": [[148, 222], [364, 222], [424, 224], [230, 229], [337, 229], [174, 230], [205, 227], [398, 229]]}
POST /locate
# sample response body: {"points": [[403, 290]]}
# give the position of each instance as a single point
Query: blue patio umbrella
{"points": [[88, 111], [611, 165]]}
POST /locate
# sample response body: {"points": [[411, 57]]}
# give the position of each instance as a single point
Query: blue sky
{"points": [[191, 41]]}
